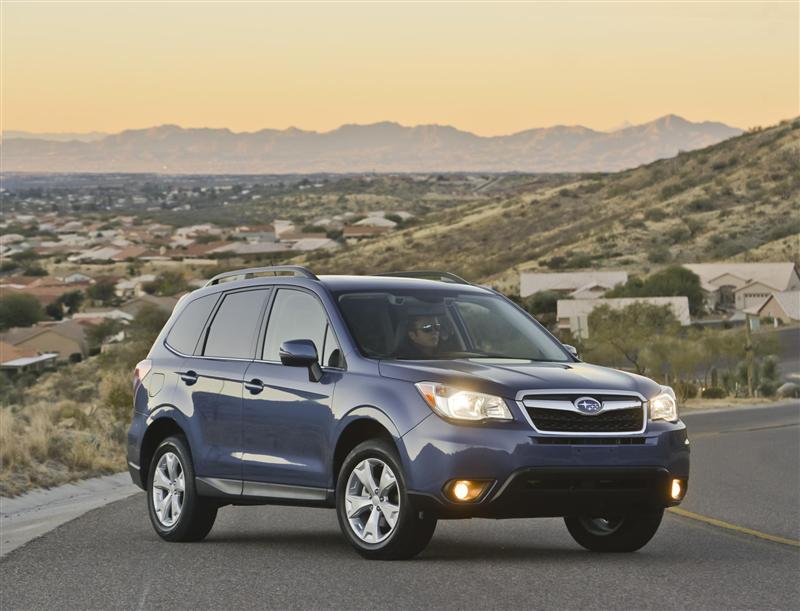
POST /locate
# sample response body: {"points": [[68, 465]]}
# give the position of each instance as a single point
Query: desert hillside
{"points": [[736, 199]]}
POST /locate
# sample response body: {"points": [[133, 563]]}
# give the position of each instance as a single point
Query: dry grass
{"points": [[43, 444], [71, 424]]}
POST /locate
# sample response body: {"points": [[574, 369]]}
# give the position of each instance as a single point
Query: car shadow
{"points": [[444, 551]]}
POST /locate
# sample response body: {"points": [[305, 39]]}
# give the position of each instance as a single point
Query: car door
{"points": [[212, 381], [287, 417]]}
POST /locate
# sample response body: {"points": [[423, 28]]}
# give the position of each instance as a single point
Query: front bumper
{"points": [[538, 475]]}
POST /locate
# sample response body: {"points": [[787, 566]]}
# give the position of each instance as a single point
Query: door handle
{"points": [[254, 386], [189, 377]]}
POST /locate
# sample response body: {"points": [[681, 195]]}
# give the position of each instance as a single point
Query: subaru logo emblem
{"points": [[587, 405]]}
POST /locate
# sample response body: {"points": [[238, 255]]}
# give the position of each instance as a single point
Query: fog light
{"points": [[677, 490], [461, 490], [465, 490]]}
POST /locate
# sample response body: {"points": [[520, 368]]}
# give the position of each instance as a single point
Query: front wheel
{"points": [[373, 507], [176, 511], [615, 534]]}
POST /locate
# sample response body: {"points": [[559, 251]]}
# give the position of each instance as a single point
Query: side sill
{"points": [[263, 493]]}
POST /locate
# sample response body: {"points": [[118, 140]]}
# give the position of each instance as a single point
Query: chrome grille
{"points": [[556, 413]]}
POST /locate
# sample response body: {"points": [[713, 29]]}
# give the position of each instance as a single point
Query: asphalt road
{"points": [[744, 472]]}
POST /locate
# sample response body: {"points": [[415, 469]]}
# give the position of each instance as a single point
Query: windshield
{"points": [[424, 325]]}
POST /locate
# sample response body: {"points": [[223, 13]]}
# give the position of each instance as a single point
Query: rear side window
{"points": [[295, 315], [186, 331], [235, 325]]}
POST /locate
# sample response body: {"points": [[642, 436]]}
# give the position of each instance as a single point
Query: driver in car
{"points": [[422, 340]]}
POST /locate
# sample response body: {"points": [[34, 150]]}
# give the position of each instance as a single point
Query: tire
{"points": [[622, 534], [373, 536], [195, 514]]}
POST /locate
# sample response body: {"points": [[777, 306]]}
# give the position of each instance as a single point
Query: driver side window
{"points": [[298, 315]]}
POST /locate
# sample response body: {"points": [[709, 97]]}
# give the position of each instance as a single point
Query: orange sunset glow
{"points": [[491, 68]]}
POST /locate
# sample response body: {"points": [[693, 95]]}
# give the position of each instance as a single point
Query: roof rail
{"points": [[251, 272], [428, 275]]}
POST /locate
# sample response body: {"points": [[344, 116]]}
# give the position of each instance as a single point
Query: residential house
{"points": [[18, 360], [66, 338], [130, 252], [375, 220], [305, 244], [133, 287], [781, 306], [573, 314], [295, 236], [103, 313], [100, 254], [135, 305], [577, 285], [256, 233], [253, 248], [46, 289], [282, 226], [353, 232], [77, 278], [738, 286]]}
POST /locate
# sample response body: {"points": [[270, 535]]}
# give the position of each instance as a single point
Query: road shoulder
{"points": [[35, 513]]}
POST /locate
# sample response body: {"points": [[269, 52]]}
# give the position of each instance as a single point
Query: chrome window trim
{"points": [[581, 391], [205, 358]]}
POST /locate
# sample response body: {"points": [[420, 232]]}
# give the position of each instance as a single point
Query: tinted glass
{"points": [[422, 325], [186, 331], [295, 315], [235, 325]]}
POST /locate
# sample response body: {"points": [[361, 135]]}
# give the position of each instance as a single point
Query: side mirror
{"points": [[571, 349], [301, 353]]}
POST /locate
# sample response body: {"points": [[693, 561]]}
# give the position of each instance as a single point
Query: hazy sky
{"points": [[489, 68]]}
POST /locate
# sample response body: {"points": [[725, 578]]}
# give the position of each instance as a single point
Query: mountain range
{"points": [[378, 147]]}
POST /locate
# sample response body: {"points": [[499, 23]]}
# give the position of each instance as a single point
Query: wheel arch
{"points": [[364, 424], [157, 432]]}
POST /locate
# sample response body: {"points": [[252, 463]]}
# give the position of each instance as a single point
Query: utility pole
{"points": [[748, 350]]}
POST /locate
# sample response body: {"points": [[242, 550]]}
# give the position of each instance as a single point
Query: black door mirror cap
{"points": [[301, 353]]}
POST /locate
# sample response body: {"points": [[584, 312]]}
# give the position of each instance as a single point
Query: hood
{"points": [[506, 379]]}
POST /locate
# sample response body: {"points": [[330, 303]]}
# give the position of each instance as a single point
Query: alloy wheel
{"points": [[372, 500], [602, 526], [169, 489]]}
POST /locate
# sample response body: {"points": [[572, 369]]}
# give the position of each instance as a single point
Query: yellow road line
{"points": [[740, 529]]}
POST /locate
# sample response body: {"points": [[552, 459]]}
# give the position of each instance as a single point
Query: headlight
{"points": [[664, 406], [459, 404]]}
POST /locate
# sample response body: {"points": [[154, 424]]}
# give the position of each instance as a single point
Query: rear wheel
{"points": [[373, 507], [615, 534], [176, 511]]}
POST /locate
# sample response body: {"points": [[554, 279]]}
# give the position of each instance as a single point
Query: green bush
{"points": [[19, 310], [714, 392]]}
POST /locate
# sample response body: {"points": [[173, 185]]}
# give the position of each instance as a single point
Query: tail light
{"points": [[141, 371]]}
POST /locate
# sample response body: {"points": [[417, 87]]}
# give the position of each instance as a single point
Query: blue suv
{"points": [[398, 400]]}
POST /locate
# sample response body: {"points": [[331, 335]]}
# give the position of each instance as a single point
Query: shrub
{"points": [[679, 233], [714, 392], [19, 310], [659, 254], [669, 282], [700, 204], [685, 390], [554, 262], [655, 214], [671, 190]]}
